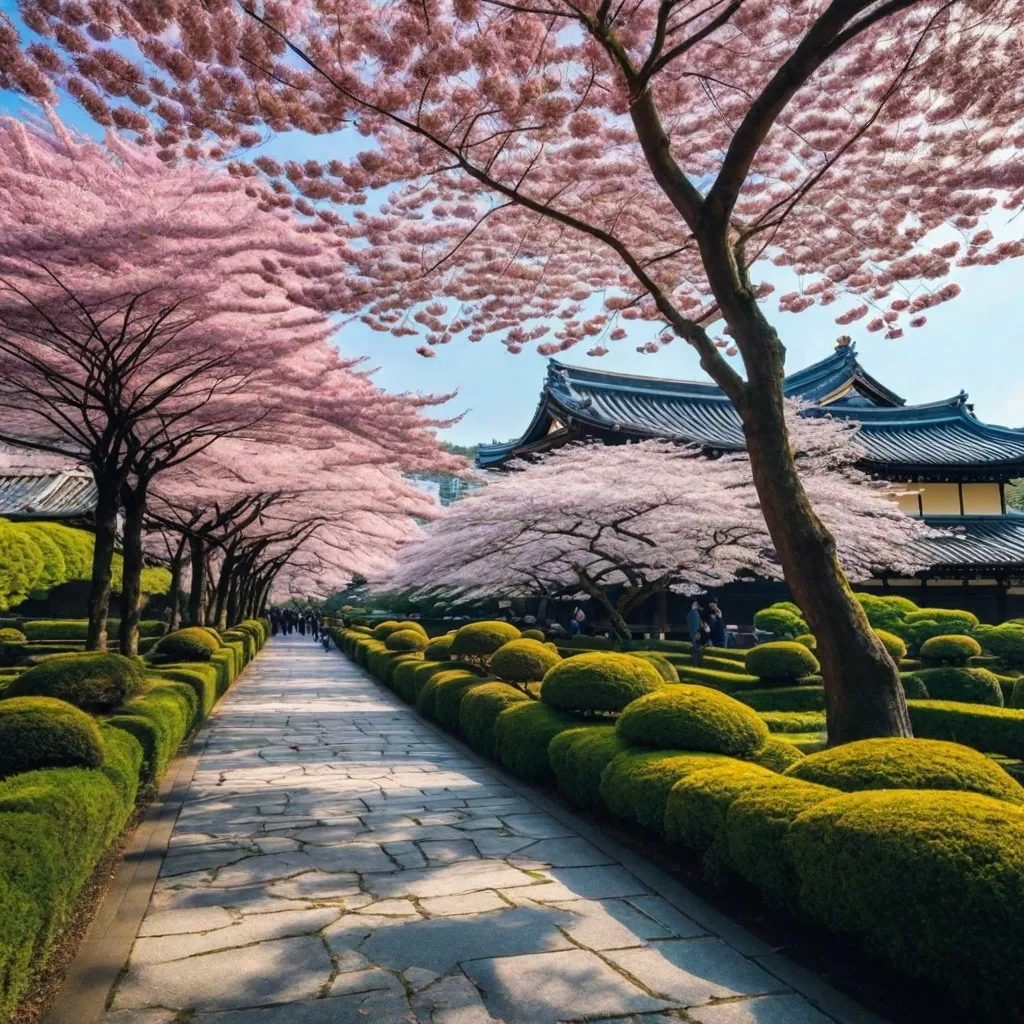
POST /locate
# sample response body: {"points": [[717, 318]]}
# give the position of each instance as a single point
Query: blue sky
{"points": [[973, 343]]}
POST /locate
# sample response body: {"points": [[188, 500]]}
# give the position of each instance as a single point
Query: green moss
{"points": [[42, 732], [522, 733], [893, 763], [448, 698], [534, 634], [894, 645], [122, 762], [988, 729], [482, 639], [781, 662], [933, 881], [579, 757], [794, 721], [384, 629], [777, 754], [967, 685], [523, 661], [479, 712], [807, 742], [403, 679], [692, 718], [200, 676], [755, 825], [599, 681], [191, 644], [913, 686], [91, 681], [439, 648], [1005, 641], [635, 785], [406, 640], [949, 650], [427, 696], [783, 620], [785, 698], [160, 720], [668, 672]]}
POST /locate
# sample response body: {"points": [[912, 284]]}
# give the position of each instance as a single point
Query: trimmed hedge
{"points": [[894, 645], [448, 698], [598, 681], [777, 754], [534, 634], [782, 620], [967, 685], [934, 881], [988, 729], [1005, 641], [913, 686], [635, 784], [93, 681], [42, 732], [78, 629], [160, 720], [384, 629], [949, 650], [522, 733], [479, 710], [893, 763], [427, 696], [727, 680], [439, 648], [693, 718], [193, 643], [794, 721], [785, 698], [755, 825], [668, 672], [579, 757], [523, 661], [406, 640], [202, 677], [403, 679], [482, 639], [782, 662]]}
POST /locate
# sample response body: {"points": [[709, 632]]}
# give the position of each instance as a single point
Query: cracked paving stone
{"points": [[452, 1000], [610, 924], [449, 852], [262, 868], [364, 858], [550, 987], [561, 853], [538, 826], [317, 885], [359, 1008], [371, 980], [784, 1009], [465, 903], [451, 879], [182, 922]]}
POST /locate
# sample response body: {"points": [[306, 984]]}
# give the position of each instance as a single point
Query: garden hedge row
{"points": [[57, 823], [930, 877]]}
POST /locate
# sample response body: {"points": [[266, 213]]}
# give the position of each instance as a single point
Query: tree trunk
{"points": [[195, 594], [619, 624], [863, 694], [134, 500], [107, 499], [263, 591], [233, 604], [220, 612], [174, 595]]}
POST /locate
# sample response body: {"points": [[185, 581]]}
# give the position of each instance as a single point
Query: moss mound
{"points": [[406, 640], [967, 685], [785, 698], [384, 629], [907, 764], [688, 717], [666, 669], [90, 681], [482, 639], [534, 634], [42, 732], [439, 648], [934, 881], [479, 712], [523, 661], [635, 784], [784, 620], [894, 645], [579, 757], [191, 644], [521, 737], [426, 699], [782, 662], [599, 681], [949, 650], [777, 754], [794, 721], [1005, 641], [809, 640]]}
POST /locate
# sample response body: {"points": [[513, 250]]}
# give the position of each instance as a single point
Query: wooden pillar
{"points": [[661, 614]]}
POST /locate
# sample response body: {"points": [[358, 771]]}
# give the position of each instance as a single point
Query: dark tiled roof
{"points": [[46, 494], [942, 434], [979, 541]]}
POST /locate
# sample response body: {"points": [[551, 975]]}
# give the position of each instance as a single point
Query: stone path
{"points": [[338, 860]]}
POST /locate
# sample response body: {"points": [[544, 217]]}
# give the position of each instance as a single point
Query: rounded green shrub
{"points": [[92, 681], [439, 647], [949, 650], [523, 661], [893, 763], [686, 717], [1005, 641], [534, 634], [894, 645], [384, 629], [521, 737], [809, 640], [579, 757], [754, 828], [777, 754], [968, 685], [426, 699], [479, 712], [42, 732], [913, 686], [406, 640], [448, 698], [785, 698], [482, 639], [966, 620], [393, 661], [794, 721], [12, 646], [635, 784], [423, 670], [194, 643], [665, 668], [598, 681], [782, 661], [403, 679], [933, 881], [886, 612], [780, 621], [412, 624], [9, 635]]}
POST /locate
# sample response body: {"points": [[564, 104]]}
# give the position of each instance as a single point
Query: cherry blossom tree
{"points": [[585, 163], [621, 523]]}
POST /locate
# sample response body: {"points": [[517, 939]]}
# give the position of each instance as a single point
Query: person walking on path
{"points": [[695, 624], [716, 625]]}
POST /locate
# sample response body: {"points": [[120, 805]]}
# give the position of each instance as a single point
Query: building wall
{"points": [[950, 499]]}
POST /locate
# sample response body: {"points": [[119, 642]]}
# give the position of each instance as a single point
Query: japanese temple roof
{"points": [[992, 542], [62, 495], [897, 436]]}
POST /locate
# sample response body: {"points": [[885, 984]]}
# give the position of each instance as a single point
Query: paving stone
{"points": [[452, 1000], [364, 858], [610, 924], [449, 852], [785, 1009], [254, 870], [372, 980], [317, 885], [538, 826], [667, 916], [179, 922], [273, 972], [451, 879], [465, 903], [694, 971], [359, 1008], [391, 908], [551, 987], [561, 853], [608, 882]]}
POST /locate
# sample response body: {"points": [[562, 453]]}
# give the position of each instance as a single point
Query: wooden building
{"points": [[959, 465]]}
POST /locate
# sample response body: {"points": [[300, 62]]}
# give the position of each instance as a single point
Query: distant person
{"points": [[695, 624], [302, 624], [576, 622], [716, 625]]}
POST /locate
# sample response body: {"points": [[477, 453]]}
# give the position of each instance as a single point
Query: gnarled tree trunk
{"points": [[107, 504], [134, 501], [197, 562]]}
